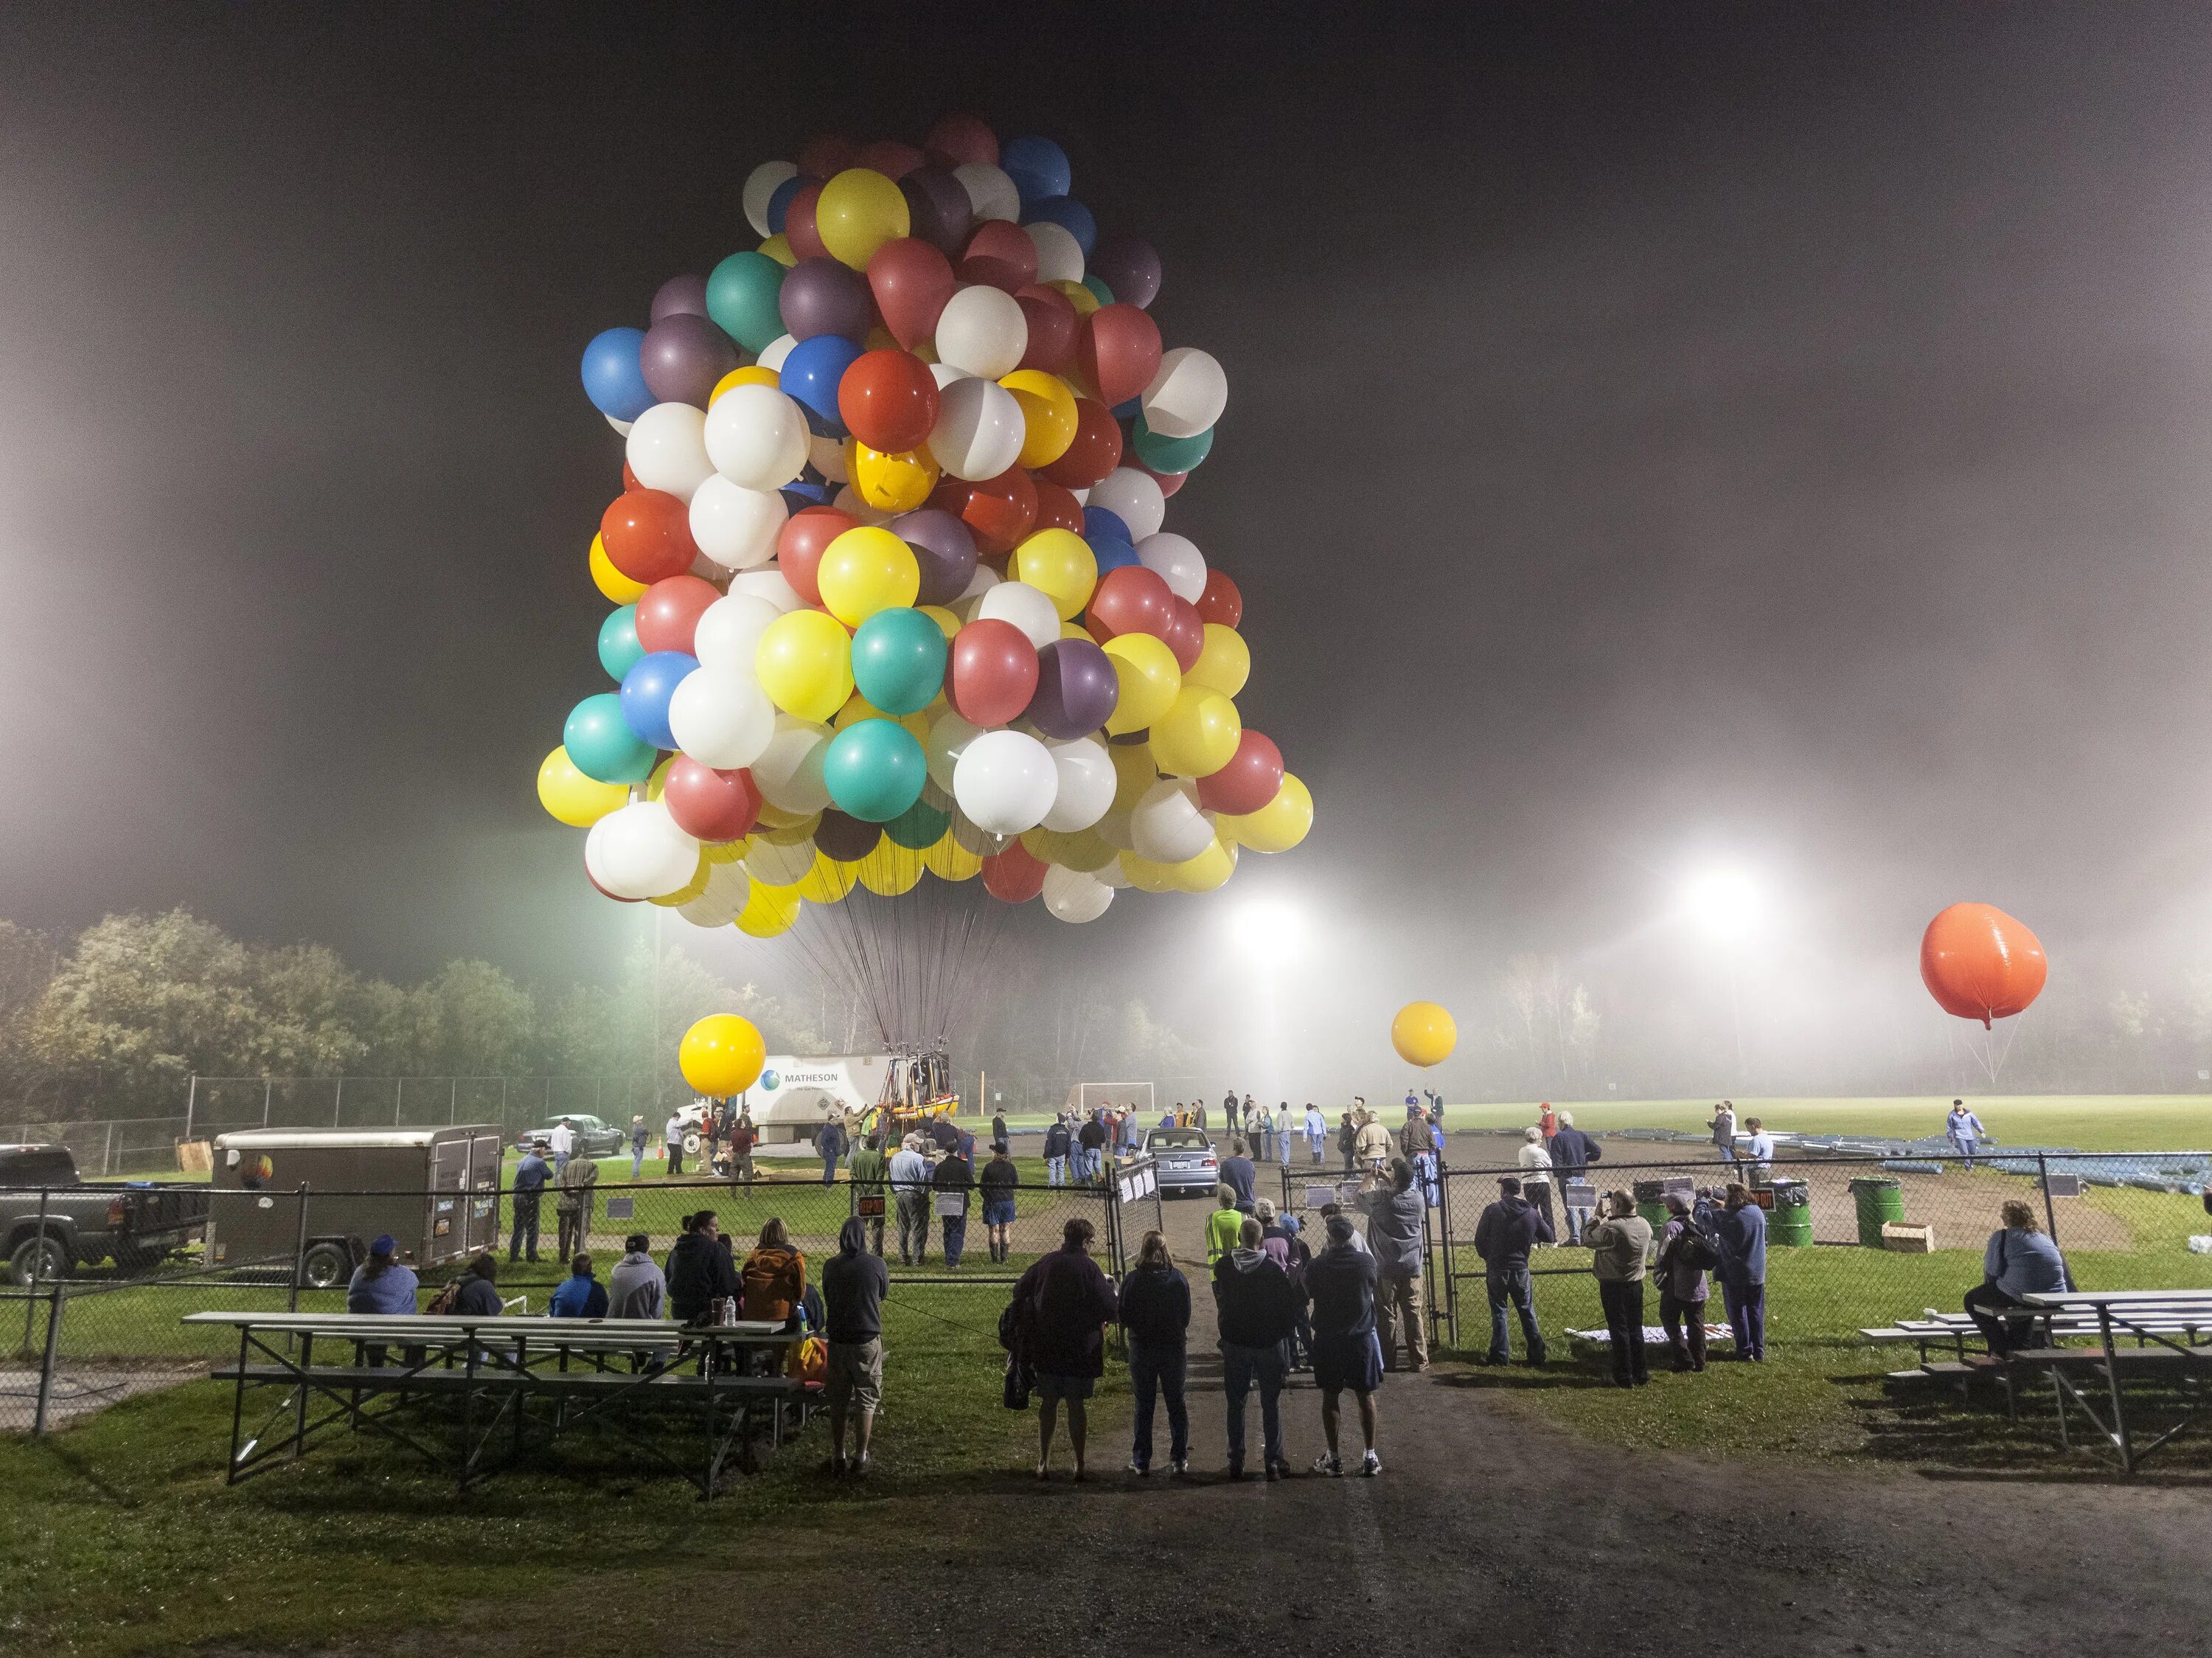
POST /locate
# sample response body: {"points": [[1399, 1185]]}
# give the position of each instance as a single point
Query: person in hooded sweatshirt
{"points": [[637, 1288], [774, 1278], [1397, 1219], [1155, 1317], [1345, 1353], [700, 1269], [1257, 1309]]}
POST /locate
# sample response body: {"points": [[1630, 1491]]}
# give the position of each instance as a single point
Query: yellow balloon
{"points": [[1224, 664], [1048, 413], [947, 623], [778, 247], [1083, 850], [1424, 1033], [950, 861], [656, 785], [889, 869], [857, 708], [610, 580], [721, 1055], [1197, 736], [805, 661], [1145, 875], [866, 569], [1074, 631], [1080, 297], [572, 798], [1279, 825], [858, 211], [891, 482], [1207, 871], [1134, 773], [828, 881], [1059, 565], [785, 828], [751, 374], [1150, 679], [724, 851], [768, 910]]}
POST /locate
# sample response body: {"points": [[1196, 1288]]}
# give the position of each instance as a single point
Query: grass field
{"points": [[2089, 1122]]}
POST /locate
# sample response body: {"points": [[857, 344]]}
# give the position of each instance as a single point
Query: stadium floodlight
{"points": [[1726, 900], [1269, 928]]}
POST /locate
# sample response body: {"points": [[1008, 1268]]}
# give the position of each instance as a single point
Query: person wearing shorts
{"points": [[855, 1282], [997, 1180], [1346, 1353], [1066, 1302]]}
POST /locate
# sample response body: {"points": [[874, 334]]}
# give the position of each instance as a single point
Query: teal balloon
{"points": [[741, 300], [618, 646], [1170, 455], [898, 661], [1099, 289], [602, 744], [918, 828], [875, 770]]}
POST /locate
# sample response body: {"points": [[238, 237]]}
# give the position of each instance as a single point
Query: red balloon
{"points": [[1131, 599], [890, 157], [999, 511], [1117, 350], [798, 224], [629, 479], [888, 400], [1015, 875], [647, 535], [1248, 782], [1187, 634], [1096, 451], [1053, 324], [800, 544], [617, 896], [911, 280], [710, 805], [1168, 482], [1000, 254], [1980, 963], [1057, 508], [669, 610], [827, 155], [993, 673], [1221, 602], [960, 138]]}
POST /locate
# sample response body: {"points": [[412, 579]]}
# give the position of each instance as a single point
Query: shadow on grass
{"points": [[1947, 1434]]}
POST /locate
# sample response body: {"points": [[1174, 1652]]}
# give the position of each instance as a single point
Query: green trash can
{"points": [[1652, 1202], [1792, 1221], [1880, 1200]]}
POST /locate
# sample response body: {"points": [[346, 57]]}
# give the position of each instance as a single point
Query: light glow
{"points": [[1727, 901]]}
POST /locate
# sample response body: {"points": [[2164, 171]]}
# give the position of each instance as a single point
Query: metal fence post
{"points": [[453, 1100], [108, 1152], [192, 1099], [268, 1094], [337, 1104], [38, 1261], [2051, 1212], [55, 1300], [298, 1250]]}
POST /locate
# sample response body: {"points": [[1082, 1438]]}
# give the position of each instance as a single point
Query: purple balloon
{"points": [[683, 357], [1076, 690], [681, 297], [937, 210], [846, 839], [1129, 265], [943, 547], [823, 297]]}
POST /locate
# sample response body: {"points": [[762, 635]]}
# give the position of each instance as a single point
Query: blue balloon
{"points": [[1111, 553], [803, 494], [1038, 167], [645, 690], [779, 202], [1130, 409], [613, 378], [1103, 520], [619, 648], [1070, 215], [811, 375]]}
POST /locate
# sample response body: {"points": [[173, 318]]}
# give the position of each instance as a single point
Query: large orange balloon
{"points": [[1979, 963]]}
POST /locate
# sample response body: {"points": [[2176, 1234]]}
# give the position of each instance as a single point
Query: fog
{"points": [[1659, 441]]}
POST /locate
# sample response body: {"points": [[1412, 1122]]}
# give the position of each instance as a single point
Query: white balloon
{"points": [[847, 501], [1133, 496], [1086, 785], [761, 185], [1059, 256], [775, 865], [720, 716], [789, 773], [1112, 875], [729, 631], [1166, 824], [1175, 560], [756, 436], [983, 330], [1188, 394], [621, 426], [666, 450], [982, 582], [637, 851], [734, 526], [949, 736], [979, 428], [728, 887], [826, 456], [991, 193], [768, 584], [1030, 609], [1005, 782], [945, 374], [772, 354], [1073, 896]]}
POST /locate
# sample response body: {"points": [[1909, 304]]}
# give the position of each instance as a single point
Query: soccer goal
{"points": [[1086, 1097]]}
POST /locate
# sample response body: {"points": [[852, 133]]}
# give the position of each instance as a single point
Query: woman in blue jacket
{"points": [[1155, 1314], [1740, 1240]]}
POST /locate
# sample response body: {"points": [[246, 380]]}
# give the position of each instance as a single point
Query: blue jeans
{"points": [[637, 1162], [1746, 1309], [1154, 1371], [830, 1169], [1055, 1171], [955, 1238], [1242, 1367], [1511, 1285]]}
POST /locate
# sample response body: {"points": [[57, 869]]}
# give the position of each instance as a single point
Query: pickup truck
{"points": [[134, 1225]]}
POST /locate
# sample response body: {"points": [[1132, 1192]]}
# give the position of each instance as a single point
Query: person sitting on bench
{"points": [[2021, 1260]]}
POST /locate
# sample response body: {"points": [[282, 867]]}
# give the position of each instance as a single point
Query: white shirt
{"points": [[673, 1130], [1535, 1156], [1761, 1147], [562, 1139]]}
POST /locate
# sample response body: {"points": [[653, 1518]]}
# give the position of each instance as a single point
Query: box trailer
{"points": [[436, 1191]]}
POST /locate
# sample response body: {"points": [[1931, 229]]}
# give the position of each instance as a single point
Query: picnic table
{"points": [[2151, 1319], [516, 1382]]}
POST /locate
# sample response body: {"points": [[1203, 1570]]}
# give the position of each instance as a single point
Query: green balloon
{"points": [[898, 661], [918, 828], [1170, 455], [874, 769], [602, 744], [741, 299], [619, 648], [1104, 294]]}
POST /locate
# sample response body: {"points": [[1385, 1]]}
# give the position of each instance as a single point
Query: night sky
{"points": [[1655, 435]]}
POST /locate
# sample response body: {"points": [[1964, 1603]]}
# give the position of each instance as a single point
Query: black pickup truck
{"points": [[133, 1225]]}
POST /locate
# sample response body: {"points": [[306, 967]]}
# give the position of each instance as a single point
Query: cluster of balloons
{"points": [[1424, 1033], [1980, 963], [896, 591]]}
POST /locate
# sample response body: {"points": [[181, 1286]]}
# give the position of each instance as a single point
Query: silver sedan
{"points": [[1185, 1158]]}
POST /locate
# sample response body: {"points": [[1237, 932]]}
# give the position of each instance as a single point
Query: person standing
{"points": [[2018, 1260], [581, 1294], [1316, 1132], [1069, 1303], [1056, 1142], [1284, 1136], [1758, 1150], [868, 1168], [531, 1175], [1224, 1226], [1261, 1127], [1348, 1139], [1092, 1139], [1963, 1130], [855, 1282], [997, 1180], [575, 1197], [1345, 1355], [830, 1141], [1508, 1230], [637, 1288], [1239, 1176], [1155, 1317], [910, 1191], [1547, 1121], [1259, 1309], [1229, 1109], [1684, 1257], [563, 1143], [951, 1182], [639, 1137], [1413, 1132], [1621, 1245], [1535, 1160], [1723, 1128], [998, 1127], [671, 1143], [1374, 1147], [1572, 1153], [1740, 1240], [1198, 1115], [1396, 1220], [744, 1137]]}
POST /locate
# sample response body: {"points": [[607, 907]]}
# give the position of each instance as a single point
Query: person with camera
{"points": [[1621, 1243], [1684, 1258]]}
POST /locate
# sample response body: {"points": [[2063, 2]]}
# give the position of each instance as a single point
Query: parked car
{"points": [[133, 1224], [594, 1137], [1185, 1158]]}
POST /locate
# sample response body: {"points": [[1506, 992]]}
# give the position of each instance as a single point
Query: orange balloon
{"points": [[1980, 963]]}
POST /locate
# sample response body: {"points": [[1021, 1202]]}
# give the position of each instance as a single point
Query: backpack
{"points": [[441, 1304], [1693, 1250]]}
